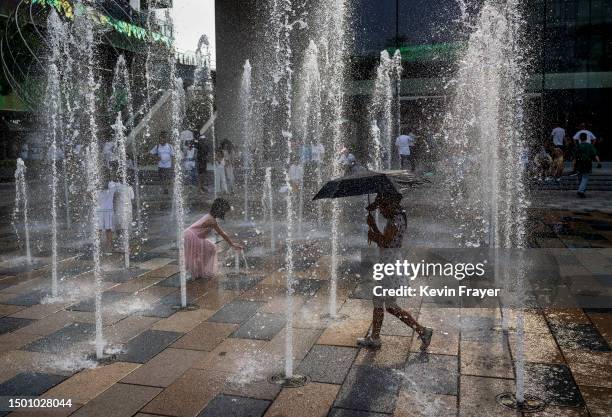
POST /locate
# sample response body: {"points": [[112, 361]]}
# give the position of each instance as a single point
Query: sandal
{"points": [[369, 342], [425, 338]]}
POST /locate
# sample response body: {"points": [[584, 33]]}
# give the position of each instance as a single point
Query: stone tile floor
{"points": [[215, 361]]}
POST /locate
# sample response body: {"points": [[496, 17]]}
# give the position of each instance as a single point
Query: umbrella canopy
{"points": [[369, 182]]}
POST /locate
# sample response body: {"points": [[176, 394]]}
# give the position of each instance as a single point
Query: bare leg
{"points": [[377, 320], [405, 316]]}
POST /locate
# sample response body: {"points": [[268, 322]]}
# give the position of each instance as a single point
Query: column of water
{"points": [[21, 205]]}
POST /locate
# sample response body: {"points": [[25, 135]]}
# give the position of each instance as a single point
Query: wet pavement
{"points": [[215, 361]]}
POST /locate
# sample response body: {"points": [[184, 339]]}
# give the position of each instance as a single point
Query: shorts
{"points": [[105, 220]]}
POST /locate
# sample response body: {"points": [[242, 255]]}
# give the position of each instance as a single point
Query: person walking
{"points": [[389, 241], [403, 143], [585, 154], [164, 152], [558, 137]]}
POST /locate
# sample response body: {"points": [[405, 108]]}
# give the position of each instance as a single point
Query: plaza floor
{"points": [[215, 361]]}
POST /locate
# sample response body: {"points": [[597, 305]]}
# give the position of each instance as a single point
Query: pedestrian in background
{"points": [[585, 154]]}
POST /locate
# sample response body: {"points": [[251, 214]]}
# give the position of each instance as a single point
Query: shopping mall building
{"points": [[570, 78]]}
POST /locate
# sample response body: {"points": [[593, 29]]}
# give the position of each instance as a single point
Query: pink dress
{"points": [[200, 253]]}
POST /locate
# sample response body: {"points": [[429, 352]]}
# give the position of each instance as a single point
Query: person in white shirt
{"points": [[164, 152], [189, 164], [590, 136], [403, 143], [104, 212], [558, 137]]}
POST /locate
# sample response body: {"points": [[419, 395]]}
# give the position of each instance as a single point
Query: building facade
{"points": [[570, 80]]}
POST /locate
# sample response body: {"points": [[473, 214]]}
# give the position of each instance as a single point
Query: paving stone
{"points": [[344, 332], [598, 400], [434, 374], [236, 312], [342, 412], [123, 275], [369, 388], [29, 384], [254, 386], [108, 298], [28, 299], [228, 405], [188, 395], [174, 299], [421, 404], [538, 347], [205, 336], [120, 400], [6, 309], [303, 341], [553, 383], [155, 263], [9, 324], [183, 321], [240, 281], [157, 309], [59, 341], [128, 328], [12, 341], [307, 287], [173, 281], [554, 411], [39, 311], [262, 326], [147, 344], [143, 256], [392, 354], [480, 329], [486, 359], [590, 367], [88, 384], [235, 355], [164, 368], [477, 397], [215, 298], [578, 336], [327, 364], [311, 400], [603, 322]]}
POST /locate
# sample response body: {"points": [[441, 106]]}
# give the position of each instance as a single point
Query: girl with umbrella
{"points": [[390, 238]]}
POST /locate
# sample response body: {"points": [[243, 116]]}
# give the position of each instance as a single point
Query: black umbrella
{"points": [[369, 182]]}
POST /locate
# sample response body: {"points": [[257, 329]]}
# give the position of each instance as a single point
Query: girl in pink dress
{"points": [[201, 253]]}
